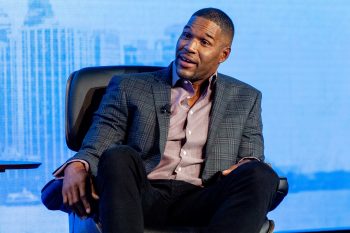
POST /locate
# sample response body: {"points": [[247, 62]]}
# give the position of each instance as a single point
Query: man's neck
{"points": [[198, 83]]}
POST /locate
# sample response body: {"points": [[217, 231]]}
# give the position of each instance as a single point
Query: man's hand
{"points": [[233, 167], [75, 190]]}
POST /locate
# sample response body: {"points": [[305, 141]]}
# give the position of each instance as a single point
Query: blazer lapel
{"points": [[217, 113], [161, 89]]}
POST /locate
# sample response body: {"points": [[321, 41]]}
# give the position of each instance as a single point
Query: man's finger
{"points": [[69, 199], [93, 191], [78, 208], [72, 205], [65, 198], [228, 171], [233, 167], [83, 198], [77, 204]]}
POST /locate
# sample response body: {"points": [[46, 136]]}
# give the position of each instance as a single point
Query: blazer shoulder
{"points": [[233, 82], [144, 78]]}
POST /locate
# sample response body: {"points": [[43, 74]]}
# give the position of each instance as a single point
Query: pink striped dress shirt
{"points": [[188, 131]]}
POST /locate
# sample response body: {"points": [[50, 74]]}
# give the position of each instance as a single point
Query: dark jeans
{"points": [[236, 203]]}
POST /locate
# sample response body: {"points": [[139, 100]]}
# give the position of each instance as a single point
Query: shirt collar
{"points": [[176, 77]]}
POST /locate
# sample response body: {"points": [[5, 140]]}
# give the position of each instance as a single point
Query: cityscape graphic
{"points": [[37, 56], [35, 62]]}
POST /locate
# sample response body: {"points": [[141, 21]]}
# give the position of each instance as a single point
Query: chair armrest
{"points": [[51, 195]]}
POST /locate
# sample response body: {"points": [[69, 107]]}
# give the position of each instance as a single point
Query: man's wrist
{"points": [[76, 165], [59, 173]]}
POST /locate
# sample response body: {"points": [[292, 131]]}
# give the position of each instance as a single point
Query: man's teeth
{"points": [[186, 60]]}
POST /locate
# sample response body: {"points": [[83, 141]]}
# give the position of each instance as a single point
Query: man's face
{"points": [[200, 49]]}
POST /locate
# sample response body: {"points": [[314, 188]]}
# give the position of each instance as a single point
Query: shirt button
{"points": [[184, 152], [185, 82], [179, 169], [189, 132], [191, 112]]}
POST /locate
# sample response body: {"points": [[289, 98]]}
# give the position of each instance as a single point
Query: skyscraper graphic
{"points": [[160, 54], [166, 47], [8, 72], [35, 62]]}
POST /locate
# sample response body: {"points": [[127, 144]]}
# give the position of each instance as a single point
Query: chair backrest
{"points": [[84, 91]]}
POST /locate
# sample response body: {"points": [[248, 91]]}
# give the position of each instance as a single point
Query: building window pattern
{"points": [[35, 62]]}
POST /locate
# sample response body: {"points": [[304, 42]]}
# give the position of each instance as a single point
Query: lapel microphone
{"points": [[166, 109]]}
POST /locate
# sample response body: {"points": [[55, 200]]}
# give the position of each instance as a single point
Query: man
{"points": [[181, 146]]}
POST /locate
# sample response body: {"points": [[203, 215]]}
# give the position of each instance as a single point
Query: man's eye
{"points": [[205, 42]]}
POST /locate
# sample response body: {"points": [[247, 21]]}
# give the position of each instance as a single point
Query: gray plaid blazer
{"points": [[132, 113]]}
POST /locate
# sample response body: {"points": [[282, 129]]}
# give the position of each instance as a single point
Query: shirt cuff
{"points": [[59, 173]]}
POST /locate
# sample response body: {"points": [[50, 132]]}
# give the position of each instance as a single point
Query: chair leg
{"points": [[268, 226], [271, 226], [98, 225]]}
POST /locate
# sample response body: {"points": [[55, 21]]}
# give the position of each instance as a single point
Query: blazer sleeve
{"points": [[108, 127], [252, 142]]}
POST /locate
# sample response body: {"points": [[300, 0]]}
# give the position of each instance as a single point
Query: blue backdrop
{"points": [[296, 52]]}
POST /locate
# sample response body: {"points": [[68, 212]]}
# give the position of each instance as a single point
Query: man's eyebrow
{"points": [[210, 36], [207, 34]]}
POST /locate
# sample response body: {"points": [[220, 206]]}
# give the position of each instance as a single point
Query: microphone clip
{"points": [[166, 109]]}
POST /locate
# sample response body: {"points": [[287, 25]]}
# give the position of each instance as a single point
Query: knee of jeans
{"points": [[263, 175]]}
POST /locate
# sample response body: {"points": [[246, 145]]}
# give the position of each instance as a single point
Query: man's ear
{"points": [[225, 53]]}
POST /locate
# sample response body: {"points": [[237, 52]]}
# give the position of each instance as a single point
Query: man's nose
{"points": [[191, 46]]}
